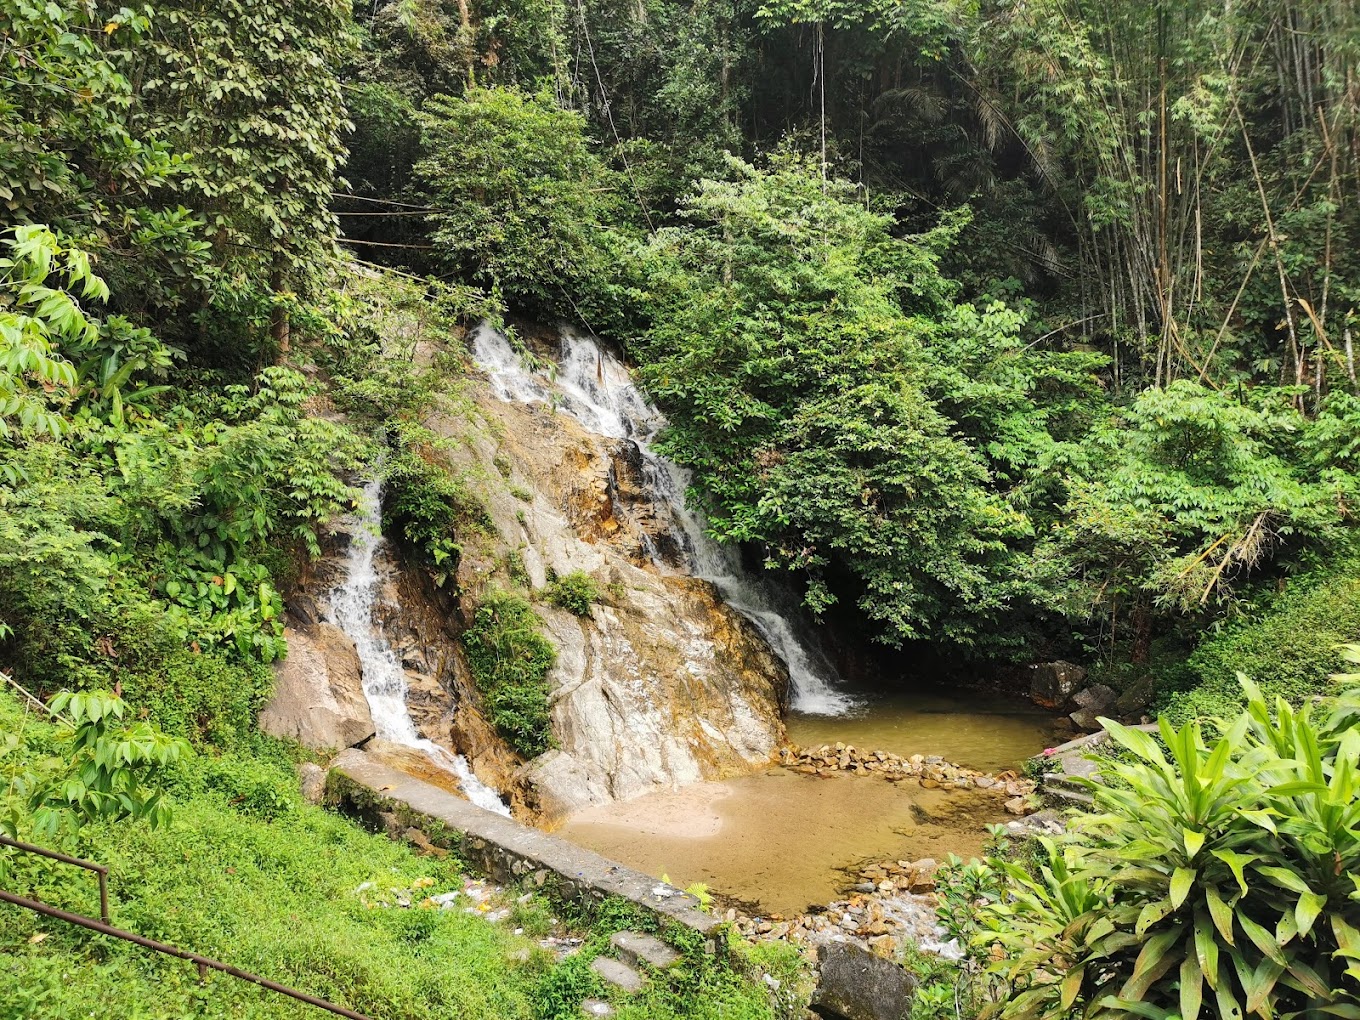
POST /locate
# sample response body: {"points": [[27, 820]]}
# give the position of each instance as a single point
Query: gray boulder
{"points": [[318, 691], [312, 781], [1092, 703], [854, 984], [1052, 684]]}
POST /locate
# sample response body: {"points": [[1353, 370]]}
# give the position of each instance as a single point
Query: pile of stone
{"points": [[931, 772], [899, 876], [881, 922]]}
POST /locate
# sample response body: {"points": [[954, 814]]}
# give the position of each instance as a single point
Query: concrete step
{"points": [[596, 1008], [636, 948], [619, 974]]}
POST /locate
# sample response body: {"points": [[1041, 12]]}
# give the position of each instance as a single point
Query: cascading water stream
{"points": [[384, 679], [596, 389]]}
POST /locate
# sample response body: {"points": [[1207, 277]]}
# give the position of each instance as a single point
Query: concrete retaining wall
{"points": [[503, 849]]}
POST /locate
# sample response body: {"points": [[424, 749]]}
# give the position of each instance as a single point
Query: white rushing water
{"points": [[596, 389], [384, 680]]}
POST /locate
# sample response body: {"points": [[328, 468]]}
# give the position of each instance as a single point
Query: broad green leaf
{"points": [[1237, 862], [1306, 911], [1181, 882], [1261, 938], [1261, 984], [1192, 988], [1071, 987], [1150, 915], [1222, 916], [1156, 958], [1284, 878], [1193, 842]]}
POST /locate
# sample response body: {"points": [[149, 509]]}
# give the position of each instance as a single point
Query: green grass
{"points": [[249, 874], [1291, 648], [268, 885]]}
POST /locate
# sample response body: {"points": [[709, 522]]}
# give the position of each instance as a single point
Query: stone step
{"points": [[596, 1008], [619, 974], [1073, 797], [636, 948], [1057, 780]]}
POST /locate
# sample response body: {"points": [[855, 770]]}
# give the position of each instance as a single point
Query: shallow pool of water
{"points": [[980, 731], [782, 840]]}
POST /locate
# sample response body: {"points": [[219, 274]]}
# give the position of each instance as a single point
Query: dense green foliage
{"points": [[831, 401], [1012, 329], [1168, 225], [1293, 644], [520, 195], [510, 660], [1216, 880], [575, 592]]}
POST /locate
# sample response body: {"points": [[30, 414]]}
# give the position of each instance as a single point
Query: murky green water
{"points": [[979, 731]]}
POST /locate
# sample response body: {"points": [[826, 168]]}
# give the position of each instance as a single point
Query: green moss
{"points": [[510, 660]]}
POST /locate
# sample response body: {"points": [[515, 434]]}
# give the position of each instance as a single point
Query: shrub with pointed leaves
{"points": [[1220, 877], [103, 777]]}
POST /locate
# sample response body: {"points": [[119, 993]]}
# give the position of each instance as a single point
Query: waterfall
{"points": [[596, 389], [384, 679]]}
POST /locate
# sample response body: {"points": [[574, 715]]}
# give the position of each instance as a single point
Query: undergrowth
{"points": [[510, 660]]}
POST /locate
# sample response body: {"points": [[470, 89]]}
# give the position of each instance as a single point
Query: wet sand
{"points": [[783, 840]]}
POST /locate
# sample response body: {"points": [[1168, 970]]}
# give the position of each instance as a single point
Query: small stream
{"points": [[384, 679]]}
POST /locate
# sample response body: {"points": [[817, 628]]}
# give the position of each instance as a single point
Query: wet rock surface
{"points": [[1052, 684], [662, 684], [931, 772]]}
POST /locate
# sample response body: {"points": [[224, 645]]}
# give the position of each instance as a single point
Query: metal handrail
{"points": [[99, 869], [103, 927]]}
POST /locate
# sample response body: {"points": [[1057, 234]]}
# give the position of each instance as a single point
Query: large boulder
{"points": [[1092, 703], [318, 691], [854, 984], [1052, 684]]}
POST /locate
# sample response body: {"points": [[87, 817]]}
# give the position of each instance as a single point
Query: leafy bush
{"points": [[1189, 493], [1222, 880], [99, 773], [204, 698], [575, 592], [521, 195], [510, 661], [428, 507], [1292, 647], [248, 785], [838, 409]]}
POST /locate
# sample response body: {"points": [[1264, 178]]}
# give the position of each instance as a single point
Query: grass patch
{"points": [[1291, 649], [251, 875], [575, 592], [510, 660]]}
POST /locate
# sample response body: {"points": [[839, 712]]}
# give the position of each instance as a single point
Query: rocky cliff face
{"points": [[663, 684], [660, 686]]}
